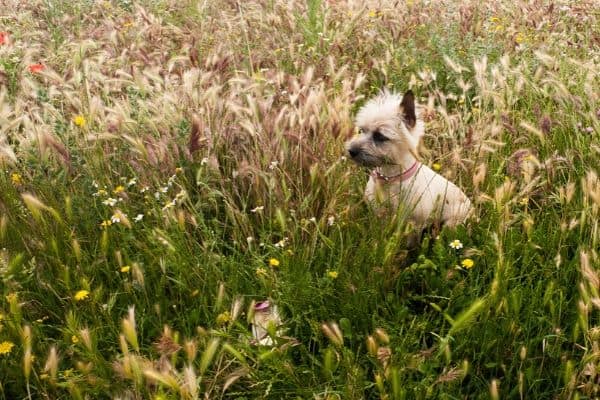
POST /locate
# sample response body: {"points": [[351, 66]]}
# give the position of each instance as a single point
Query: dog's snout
{"points": [[353, 151]]}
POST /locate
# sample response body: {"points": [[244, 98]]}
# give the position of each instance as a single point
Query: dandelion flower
{"points": [[467, 263], [456, 244], [16, 179], [79, 120], [436, 166], [36, 68], [125, 269], [6, 347], [332, 274], [520, 38], [74, 339], [119, 189], [81, 295], [273, 262]]}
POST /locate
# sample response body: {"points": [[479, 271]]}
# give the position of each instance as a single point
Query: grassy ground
{"points": [[167, 164]]}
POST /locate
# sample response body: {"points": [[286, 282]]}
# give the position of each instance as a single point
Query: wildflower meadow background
{"points": [[168, 164]]}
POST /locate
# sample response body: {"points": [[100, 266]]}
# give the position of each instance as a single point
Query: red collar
{"points": [[409, 173]]}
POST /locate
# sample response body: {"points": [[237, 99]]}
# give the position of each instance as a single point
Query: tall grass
{"points": [[157, 155]]}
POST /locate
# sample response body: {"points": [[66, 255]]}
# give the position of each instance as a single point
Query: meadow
{"points": [[168, 164]]}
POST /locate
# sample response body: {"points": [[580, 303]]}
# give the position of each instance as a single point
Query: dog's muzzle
{"points": [[353, 152]]}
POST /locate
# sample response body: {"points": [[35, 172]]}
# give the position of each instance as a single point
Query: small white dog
{"points": [[390, 132]]}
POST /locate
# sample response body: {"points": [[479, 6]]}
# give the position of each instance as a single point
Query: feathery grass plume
{"points": [[220, 296], [208, 355], [372, 346], [332, 331], [190, 348], [494, 390], [51, 365], [36, 206], [86, 338], [26, 338], [129, 331], [164, 378]]}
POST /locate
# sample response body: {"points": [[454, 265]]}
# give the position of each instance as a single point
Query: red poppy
{"points": [[35, 68], [3, 38]]}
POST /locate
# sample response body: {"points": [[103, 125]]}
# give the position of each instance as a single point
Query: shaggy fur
{"points": [[390, 132]]}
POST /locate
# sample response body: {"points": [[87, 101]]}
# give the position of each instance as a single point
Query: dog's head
{"points": [[389, 127]]}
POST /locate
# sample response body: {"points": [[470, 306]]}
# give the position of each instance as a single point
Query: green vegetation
{"points": [[166, 164]]}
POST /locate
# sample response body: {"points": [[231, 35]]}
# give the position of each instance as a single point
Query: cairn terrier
{"points": [[390, 132]]}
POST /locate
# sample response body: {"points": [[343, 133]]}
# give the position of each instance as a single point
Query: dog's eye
{"points": [[379, 137]]}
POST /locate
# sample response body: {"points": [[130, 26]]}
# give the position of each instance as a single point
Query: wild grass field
{"points": [[168, 164]]}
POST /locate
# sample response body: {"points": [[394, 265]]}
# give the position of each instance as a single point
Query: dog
{"points": [[390, 131]]}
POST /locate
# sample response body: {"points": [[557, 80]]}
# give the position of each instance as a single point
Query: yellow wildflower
{"points": [[467, 263], [436, 166], [494, 19], [6, 347], [79, 120], [178, 170], [261, 272], [106, 223], [16, 179], [125, 269], [332, 274], [520, 38], [81, 295], [273, 262], [119, 189], [74, 339], [223, 318]]}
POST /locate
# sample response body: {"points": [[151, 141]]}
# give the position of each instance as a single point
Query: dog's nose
{"points": [[353, 152]]}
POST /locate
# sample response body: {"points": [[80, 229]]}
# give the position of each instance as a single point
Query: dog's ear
{"points": [[407, 107]]}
